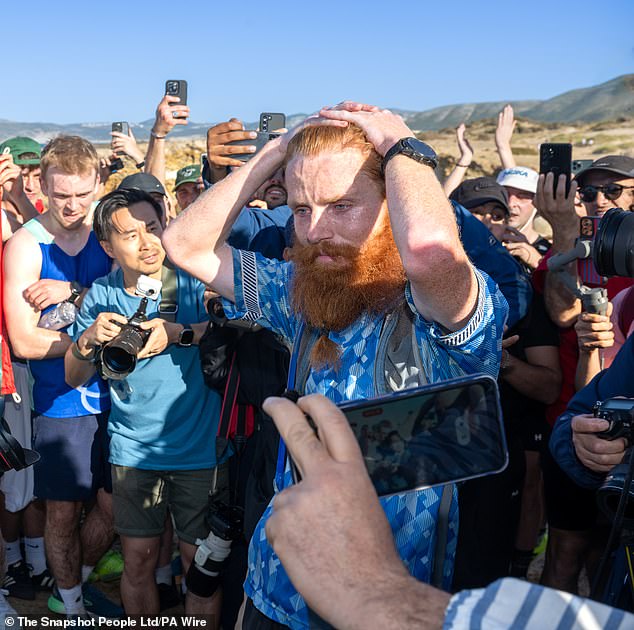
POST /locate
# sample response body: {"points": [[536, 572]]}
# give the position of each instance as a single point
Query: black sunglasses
{"points": [[610, 191]]}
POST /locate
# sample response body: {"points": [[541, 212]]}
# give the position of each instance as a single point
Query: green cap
{"points": [[189, 173], [19, 146]]}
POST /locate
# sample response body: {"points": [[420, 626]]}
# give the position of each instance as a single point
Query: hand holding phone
{"points": [[177, 88], [123, 128], [171, 111], [227, 142]]}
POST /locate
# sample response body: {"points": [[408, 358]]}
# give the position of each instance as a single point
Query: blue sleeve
{"points": [[261, 230], [489, 255], [617, 380], [92, 305]]}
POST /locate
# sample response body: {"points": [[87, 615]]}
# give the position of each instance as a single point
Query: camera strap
{"points": [[168, 308]]}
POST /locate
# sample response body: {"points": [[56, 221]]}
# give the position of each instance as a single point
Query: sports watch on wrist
{"points": [[186, 337], [75, 292], [412, 148]]}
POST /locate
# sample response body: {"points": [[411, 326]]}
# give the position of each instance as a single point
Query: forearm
{"points": [[155, 158], [39, 344], [206, 224], [455, 179], [588, 366], [78, 371], [24, 207], [506, 154], [534, 381], [562, 306], [426, 234]]}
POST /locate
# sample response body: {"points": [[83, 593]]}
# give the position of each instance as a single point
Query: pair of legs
{"points": [[138, 587], [142, 499], [68, 546]]}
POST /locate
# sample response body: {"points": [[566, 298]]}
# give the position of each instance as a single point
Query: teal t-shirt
{"points": [[163, 416]]}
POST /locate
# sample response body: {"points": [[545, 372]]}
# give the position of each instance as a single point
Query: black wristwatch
{"points": [[412, 148], [75, 291], [186, 337]]}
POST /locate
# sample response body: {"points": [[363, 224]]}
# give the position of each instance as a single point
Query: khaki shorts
{"points": [[141, 499]]}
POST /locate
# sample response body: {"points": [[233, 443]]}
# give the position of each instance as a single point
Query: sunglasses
{"points": [[610, 191]]}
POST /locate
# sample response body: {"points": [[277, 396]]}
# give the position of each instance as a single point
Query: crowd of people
{"points": [[334, 261]]}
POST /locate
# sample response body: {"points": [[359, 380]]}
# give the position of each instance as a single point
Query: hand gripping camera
{"points": [[225, 524], [119, 356], [619, 412]]}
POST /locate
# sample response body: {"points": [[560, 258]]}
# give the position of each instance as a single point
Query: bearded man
{"points": [[375, 237]]}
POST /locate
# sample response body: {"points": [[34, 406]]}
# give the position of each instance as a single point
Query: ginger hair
{"points": [[70, 154]]}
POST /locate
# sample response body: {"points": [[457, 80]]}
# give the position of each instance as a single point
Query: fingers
{"points": [[509, 341], [586, 423], [304, 446], [334, 429]]}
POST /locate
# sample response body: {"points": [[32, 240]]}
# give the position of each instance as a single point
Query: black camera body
{"points": [[619, 412], [224, 520], [119, 356]]}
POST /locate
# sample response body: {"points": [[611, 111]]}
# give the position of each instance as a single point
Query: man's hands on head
{"points": [[594, 452], [382, 128], [169, 114]]}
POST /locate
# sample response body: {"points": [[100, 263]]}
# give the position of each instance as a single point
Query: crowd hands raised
{"points": [[320, 235]]}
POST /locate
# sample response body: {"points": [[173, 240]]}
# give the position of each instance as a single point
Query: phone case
{"points": [[272, 122], [556, 158], [177, 87]]}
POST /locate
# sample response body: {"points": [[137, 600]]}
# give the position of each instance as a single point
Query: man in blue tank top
{"points": [[52, 259]]}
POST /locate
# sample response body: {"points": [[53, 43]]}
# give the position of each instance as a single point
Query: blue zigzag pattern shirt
{"points": [[262, 294]]}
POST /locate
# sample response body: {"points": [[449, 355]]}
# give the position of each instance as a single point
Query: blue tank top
{"points": [[51, 395]]}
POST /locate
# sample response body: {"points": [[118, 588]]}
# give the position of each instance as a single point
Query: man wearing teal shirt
{"points": [[163, 420]]}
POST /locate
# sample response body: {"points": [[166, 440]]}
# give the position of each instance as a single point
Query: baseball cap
{"points": [[142, 181], [617, 164], [18, 146], [480, 190], [519, 177], [189, 173]]}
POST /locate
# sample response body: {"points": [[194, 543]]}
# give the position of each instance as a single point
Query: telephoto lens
{"points": [[610, 492], [613, 245]]}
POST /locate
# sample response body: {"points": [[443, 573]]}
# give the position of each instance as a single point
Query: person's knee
{"points": [[62, 516], [140, 558]]}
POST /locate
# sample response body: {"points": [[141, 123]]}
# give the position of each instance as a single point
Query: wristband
{"points": [[74, 348], [155, 135], [141, 164]]}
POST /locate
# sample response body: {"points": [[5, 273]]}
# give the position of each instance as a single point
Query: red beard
{"points": [[334, 295]]}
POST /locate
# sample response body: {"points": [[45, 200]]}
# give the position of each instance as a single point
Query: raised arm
{"points": [[196, 240], [464, 161], [443, 282], [503, 135], [22, 265]]}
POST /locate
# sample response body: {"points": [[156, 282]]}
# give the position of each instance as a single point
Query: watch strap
{"points": [[402, 147]]}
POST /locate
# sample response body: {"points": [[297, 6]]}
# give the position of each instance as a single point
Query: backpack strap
{"points": [[168, 308], [228, 404]]}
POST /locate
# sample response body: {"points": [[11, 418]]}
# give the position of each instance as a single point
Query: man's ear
{"points": [[107, 248], [44, 186]]}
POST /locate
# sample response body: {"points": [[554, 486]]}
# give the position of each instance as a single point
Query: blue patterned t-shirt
{"points": [[261, 289]]}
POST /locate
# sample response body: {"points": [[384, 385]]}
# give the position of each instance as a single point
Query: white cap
{"points": [[519, 177]]}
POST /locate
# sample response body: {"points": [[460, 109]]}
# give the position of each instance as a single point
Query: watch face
{"points": [[186, 337], [420, 147]]}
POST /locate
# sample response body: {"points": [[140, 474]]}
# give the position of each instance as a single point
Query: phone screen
{"points": [[432, 435]]}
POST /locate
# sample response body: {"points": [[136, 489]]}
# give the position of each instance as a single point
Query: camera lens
{"points": [[613, 247]]}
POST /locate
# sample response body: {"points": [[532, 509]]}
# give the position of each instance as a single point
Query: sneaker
{"points": [[168, 596], [17, 581], [43, 581], [97, 604], [56, 603], [109, 568]]}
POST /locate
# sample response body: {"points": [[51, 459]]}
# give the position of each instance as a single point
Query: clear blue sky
{"points": [[71, 61]]}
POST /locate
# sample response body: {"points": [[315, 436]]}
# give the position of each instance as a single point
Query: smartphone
{"points": [[431, 435], [177, 87], [557, 159], [116, 165], [272, 122], [259, 142], [579, 165], [205, 170], [121, 127]]}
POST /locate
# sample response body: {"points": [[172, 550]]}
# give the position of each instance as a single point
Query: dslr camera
{"points": [[225, 524], [619, 412], [118, 357]]}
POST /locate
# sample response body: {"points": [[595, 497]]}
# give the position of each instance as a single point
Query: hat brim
{"points": [[189, 180], [29, 162], [473, 203], [615, 171]]}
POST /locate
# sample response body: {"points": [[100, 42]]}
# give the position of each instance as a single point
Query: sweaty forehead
{"points": [[59, 181], [325, 177]]}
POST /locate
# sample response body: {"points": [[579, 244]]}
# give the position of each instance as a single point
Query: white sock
{"points": [[35, 556], [163, 575], [13, 552], [85, 572], [73, 600]]}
